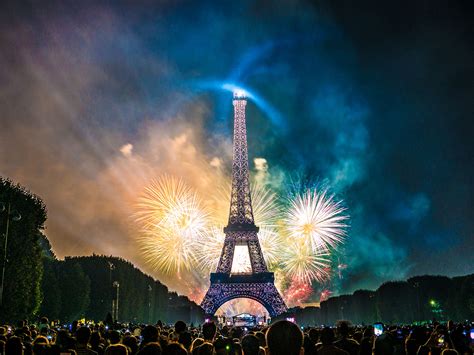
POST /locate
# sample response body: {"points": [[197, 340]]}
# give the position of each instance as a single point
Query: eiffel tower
{"points": [[256, 282]]}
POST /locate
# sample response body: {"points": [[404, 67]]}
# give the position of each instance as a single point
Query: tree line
{"points": [[416, 300], [90, 286]]}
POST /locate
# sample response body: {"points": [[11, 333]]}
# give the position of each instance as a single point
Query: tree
{"points": [[363, 303], [395, 302], [75, 290], [51, 290], [24, 269], [431, 296]]}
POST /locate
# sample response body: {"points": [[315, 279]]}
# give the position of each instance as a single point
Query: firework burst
{"points": [[317, 219], [301, 263], [172, 220]]}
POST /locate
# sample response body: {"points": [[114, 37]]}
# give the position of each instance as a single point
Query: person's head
{"points": [[327, 336], [150, 334], [116, 349], [44, 320], [14, 346], [151, 349], [343, 328], [41, 340], [196, 342], [411, 347], [449, 352], [313, 335], [284, 338], [204, 349], [131, 342], [250, 345], [308, 345], [40, 349], [95, 339], [368, 332], [115, 337], [186, 339], [175, 349], [83, 335], [209, 330], [224, 346], [261, 339], [180, 327]]}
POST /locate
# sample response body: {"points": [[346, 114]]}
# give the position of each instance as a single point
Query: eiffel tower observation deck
{"points": [[242, 271]]}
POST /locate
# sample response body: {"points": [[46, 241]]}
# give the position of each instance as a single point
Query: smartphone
{"points": [[378, 329], [441, 340], [472, 333]]}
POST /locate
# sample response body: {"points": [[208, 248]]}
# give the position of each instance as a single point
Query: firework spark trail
{"points": [[172, 220], [317, 219]]}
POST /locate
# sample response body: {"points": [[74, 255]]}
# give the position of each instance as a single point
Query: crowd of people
{"points": [[280, 338]]}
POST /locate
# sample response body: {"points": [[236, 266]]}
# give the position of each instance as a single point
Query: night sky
{"points": [[374, 100]]}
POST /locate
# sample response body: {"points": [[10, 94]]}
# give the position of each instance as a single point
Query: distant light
{"points": [[290, 319], [433, 303], [240, 94]]}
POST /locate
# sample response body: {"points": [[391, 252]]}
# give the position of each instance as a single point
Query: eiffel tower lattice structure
{"points": [[255, 282]]}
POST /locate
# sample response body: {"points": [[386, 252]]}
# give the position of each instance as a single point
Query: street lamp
{"points": [[149, 303], [117, 286], [111, 268], [15, 216]]}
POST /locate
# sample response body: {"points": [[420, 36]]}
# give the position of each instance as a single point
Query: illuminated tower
{"points": [[242, 272]]}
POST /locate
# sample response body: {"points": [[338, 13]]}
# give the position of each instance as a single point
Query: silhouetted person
{"points": [[132, 343], [204, 349], [116, 349], [149, 334], [151, 349], [250, 345], [175, 349], [96, 342], [115, 337], [224, 346], [384, 344], [344, 342], [14, 346], [196, 342], [209, 330], [83, 336], [367, 342], [326, 346], [309, 346], [314, 335], [179, 327], [284, 338], [185, 339]]}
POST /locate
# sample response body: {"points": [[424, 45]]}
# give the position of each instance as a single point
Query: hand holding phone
{"points": [[378, 329]]}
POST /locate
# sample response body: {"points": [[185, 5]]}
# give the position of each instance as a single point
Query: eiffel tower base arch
{"points": [[258, 287]]}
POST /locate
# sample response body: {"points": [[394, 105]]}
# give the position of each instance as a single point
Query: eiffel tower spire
{"points": [[241, 214]]}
